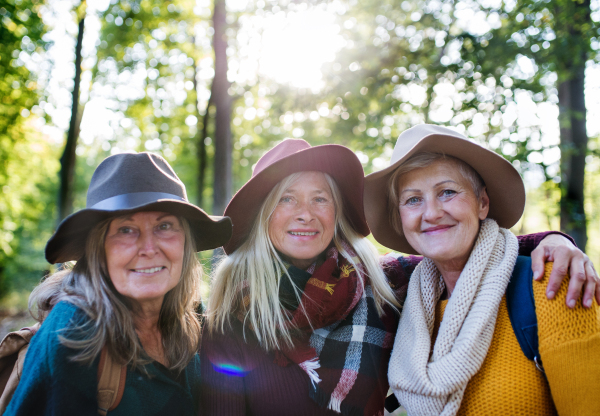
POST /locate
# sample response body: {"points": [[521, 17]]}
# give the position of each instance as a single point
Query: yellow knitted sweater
{"points": [[509, 384]]}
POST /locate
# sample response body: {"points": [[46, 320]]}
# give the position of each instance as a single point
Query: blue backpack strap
{"points": [[521, 309]]}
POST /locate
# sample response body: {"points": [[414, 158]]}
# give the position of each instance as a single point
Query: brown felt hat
{"points": [[130, 182], [291, 156], [503, 183]]}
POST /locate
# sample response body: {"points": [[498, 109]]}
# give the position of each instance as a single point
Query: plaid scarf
{"points": [[347, 354]]}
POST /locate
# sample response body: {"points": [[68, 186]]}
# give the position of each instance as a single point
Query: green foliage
{"points": [[156, 41], [27, 164], [405, 62]]}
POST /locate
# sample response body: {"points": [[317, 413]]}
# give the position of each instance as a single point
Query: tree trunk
{"points": [[223, 180], [68, 158], [573, 138], [573, 134], [201, 146]]}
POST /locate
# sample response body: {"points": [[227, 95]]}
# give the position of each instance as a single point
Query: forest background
{"points": [[211, 85]]}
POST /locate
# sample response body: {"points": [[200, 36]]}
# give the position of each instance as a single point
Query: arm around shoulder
{"points": [[569, 347]]}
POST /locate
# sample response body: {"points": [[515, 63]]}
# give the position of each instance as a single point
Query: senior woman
{"points": [[455, 351], [301, 317], [132, 292]]}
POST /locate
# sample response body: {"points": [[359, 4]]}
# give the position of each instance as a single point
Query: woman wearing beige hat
{"points": [[131, 297], [462, 344], [301, 315]]}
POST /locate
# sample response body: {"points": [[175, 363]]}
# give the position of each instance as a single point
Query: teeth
{"points": [[152, 270], [298, 233]]}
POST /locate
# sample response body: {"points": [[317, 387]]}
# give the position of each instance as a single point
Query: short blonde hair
{"points": [[257, 264], [423, 160], [89, 287]]}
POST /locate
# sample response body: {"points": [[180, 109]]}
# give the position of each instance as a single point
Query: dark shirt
{"points": [[52, 384]]}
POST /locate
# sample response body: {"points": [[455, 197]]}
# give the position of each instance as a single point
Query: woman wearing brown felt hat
{"points": [[467, 341], [131, 297], [301, 315]]}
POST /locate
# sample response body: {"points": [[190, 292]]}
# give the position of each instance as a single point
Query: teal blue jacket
{"points": [[51, 384]]}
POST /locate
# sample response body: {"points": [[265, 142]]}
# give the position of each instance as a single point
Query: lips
{"points": [[437, 228], [149, 270]]}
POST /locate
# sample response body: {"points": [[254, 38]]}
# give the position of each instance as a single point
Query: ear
{"points": [[484, 205]]}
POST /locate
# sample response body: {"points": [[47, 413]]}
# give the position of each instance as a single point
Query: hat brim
{"points": [[503, 184], [337, 161], [69, 241]]}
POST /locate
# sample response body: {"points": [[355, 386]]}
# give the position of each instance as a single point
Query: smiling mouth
{"points": [[150, 270], [438, 228], [302, 233]]}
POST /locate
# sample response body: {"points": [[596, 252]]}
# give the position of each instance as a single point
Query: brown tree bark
{"points": [[223, 180], [68, 158], [201, 148], [573, 133]]}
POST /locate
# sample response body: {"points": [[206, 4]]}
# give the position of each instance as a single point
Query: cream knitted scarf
{"points": [[433, 384]]}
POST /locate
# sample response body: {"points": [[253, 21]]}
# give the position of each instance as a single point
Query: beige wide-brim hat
{"points": [[503, 183]]}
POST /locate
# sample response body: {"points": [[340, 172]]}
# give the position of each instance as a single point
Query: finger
{"points": [[588, 293], [592, 271], [595, 273], [576, 282], [538, 258], [562, 258]]}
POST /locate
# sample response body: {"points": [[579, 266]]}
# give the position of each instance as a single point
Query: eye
{"points": [[413, 200], [448, 192], [321, 200], [125, 230], [165, 226], [285, 200]]}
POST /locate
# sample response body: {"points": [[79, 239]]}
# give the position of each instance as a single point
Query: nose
{"points": [[433, 210], [147, 244], [304, 212]]}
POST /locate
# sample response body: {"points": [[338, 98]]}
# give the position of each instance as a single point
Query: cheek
{"points": [[277, 225], [175, 248], [409, 218], [328, 219], [116, 255]]}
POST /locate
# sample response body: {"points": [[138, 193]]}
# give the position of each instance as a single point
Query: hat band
{"points": [[133, 200]]}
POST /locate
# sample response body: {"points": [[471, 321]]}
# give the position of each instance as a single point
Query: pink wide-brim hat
{"points": [[503, 183], [288, 157]]}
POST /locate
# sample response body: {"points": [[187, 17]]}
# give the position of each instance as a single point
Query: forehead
{"points": [[438, 171], [145, 216], [309, 181]]}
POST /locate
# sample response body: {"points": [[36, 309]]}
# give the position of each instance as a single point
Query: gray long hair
{"points": [[111, 316]]}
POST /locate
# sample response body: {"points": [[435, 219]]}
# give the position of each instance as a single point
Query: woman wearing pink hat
{"points": [[301, 317]]}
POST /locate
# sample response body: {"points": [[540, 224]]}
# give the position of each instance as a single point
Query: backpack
{"points": [[111, 375], [521, 311]]}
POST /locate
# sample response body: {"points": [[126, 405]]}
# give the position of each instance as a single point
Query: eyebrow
{"points": [[130, 217], [292, 190], [436, 185], [166, 214]]}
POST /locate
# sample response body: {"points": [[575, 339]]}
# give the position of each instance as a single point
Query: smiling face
{"points": [[440, 213], [303, 222], [144, 255]]}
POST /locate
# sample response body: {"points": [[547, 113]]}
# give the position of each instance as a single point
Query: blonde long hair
{"points": [[257, 264], [111, 316]]}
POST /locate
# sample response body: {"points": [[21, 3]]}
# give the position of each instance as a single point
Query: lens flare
{"points": [[229, 369]]}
